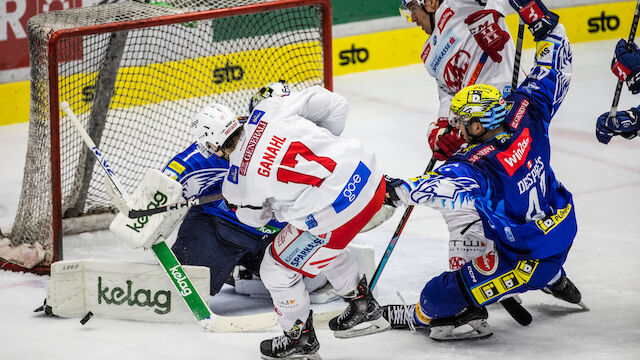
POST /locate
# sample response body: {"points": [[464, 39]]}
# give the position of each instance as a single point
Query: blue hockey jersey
{"points": [[508, 179], [202, 176]]}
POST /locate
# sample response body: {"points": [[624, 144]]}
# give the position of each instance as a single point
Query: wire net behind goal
{"points": [[135, 74]]}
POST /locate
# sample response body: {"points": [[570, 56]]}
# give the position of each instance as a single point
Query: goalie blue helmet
{"points": [[274, 89]]}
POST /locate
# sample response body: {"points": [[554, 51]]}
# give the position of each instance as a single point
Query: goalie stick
{"points": [[172, 267], [632, 35]]}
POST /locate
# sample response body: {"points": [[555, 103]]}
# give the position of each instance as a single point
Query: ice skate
{"points": [[401, 316], [362, 316], [299, 343], [564, 289], [471, 324]]}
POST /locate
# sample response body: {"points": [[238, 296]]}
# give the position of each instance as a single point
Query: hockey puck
{"points": [[86, 318]]}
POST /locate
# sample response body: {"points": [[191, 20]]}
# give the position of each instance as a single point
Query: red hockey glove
{"points": [[444, 145], [488, 34]]}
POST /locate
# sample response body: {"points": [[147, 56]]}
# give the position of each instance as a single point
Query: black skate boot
{"points": [[362, 309], [564, 289], [401, 316], [299, 343], [443, 329]]}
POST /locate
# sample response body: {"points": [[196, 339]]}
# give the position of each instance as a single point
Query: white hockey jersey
{"points": [[291, 163], [451, 54]]}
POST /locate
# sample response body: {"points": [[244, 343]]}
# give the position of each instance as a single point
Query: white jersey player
{"points": [[288, 161], [468, 44]]}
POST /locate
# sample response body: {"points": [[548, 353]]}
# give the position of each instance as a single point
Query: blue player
{"points": [[626, 66], [504, 174], [211, 235]]}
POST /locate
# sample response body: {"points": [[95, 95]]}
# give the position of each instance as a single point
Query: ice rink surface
{"points": [[389, 113]]}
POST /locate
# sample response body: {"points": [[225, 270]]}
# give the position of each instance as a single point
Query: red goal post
{"points": [[135, 73]]}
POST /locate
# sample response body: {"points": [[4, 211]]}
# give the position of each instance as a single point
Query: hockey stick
{"points": [[396, 235], [516, 60], [632, 35], [134, 214], [172, 267]]}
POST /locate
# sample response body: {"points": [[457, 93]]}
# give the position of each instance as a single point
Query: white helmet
{"points": [[213, 124], [274, 89]]}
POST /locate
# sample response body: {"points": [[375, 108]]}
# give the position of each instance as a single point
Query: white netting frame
{"points": [[34, 223]]}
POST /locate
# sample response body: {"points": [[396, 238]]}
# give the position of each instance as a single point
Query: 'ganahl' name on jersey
{"points": [[315, 180]]}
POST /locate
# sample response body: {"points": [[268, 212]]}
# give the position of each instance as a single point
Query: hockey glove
{"points": [[391, 197], [444, 145], [484, 27], [540, 20], [625, 123], [626, 65]]}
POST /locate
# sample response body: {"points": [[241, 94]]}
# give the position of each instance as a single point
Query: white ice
{"points": [[389, 113]]}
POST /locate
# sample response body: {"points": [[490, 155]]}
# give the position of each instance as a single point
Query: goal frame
{"points": [[54, 106]]}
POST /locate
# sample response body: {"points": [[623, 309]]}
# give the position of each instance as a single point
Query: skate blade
{"points": [[583, 306], [366, 328], [479, 330], [315, 356]]}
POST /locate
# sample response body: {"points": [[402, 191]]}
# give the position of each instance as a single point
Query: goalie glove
{"points": [[155, 189], [484, 27]]}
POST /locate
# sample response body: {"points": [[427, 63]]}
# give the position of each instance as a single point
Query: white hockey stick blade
{"points": [[243, 323]]}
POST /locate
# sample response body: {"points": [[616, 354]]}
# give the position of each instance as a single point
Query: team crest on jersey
{"points": [[256, 115], [233, 174], [516, 155], [456, 70], [486, 264]]}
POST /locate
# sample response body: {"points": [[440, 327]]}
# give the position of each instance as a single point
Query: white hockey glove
{"points": [[154, 190]]}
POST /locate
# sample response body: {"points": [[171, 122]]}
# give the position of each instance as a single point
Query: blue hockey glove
{"points": [[626, 65], [625, 123], [540, 20]]}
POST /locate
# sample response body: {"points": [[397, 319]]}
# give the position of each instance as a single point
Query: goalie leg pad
{"points": [[120, 290]]}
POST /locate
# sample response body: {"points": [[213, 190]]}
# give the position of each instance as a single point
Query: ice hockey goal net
{"points": [[135, 73]]}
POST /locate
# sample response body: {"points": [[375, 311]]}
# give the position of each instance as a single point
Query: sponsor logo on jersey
{"points": [[516, 155], [251, 145], [256, 115], [161, 300], [456, 70], [544, 52], [177, 167], [550, 222], [444, 19], [353, 188], [486, 264], [269, 155], [482, 152], [425, 52], [533, 176], [441, 51], [233, 174], [522, 109]]}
